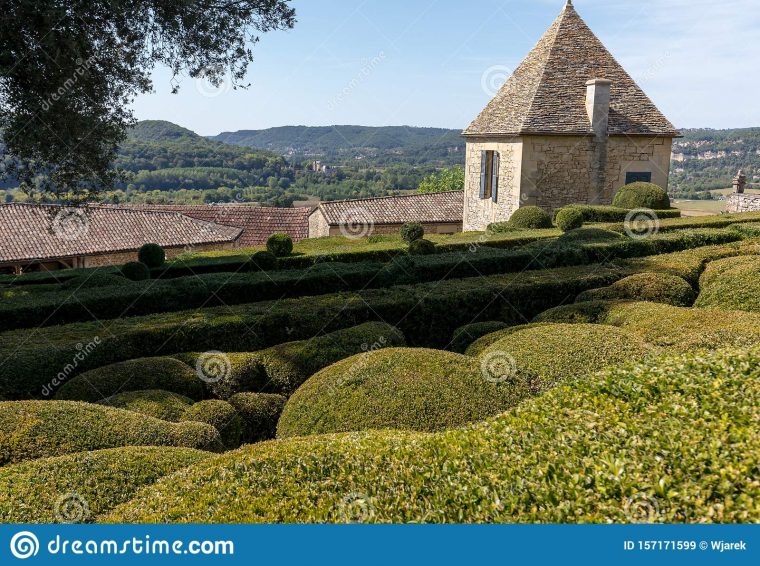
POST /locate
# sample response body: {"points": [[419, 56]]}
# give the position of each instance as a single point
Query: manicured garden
{"points": [[557, 369]]}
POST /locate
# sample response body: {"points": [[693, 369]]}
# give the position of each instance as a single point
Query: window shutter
{"points": [[495, 178], [483, 167]]}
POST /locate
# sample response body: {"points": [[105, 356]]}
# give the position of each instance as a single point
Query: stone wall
{"points": [[637, 154], [557, 171], [318, 227], [744, 202], [554, 171], [479, 213], [121, 258], [430, 228]]}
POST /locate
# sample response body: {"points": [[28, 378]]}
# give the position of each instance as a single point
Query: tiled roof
{"points": [[547, 92], [426, 208], [37, 232], [257, 223]]}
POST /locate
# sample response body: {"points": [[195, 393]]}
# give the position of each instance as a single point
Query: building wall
{"points": [[637, 154], [101, 260], [430, 228], [479, 213], [743, 202], [554, 171], [318, 227]]}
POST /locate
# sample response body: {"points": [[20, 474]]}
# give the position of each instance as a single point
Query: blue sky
{"points": [[437, 62]]}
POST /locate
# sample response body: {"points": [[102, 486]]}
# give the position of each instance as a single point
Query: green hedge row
{"points": [[39, 429], [656, 442], [77, 487], [59, 353], [147, 297], [601, 213]]}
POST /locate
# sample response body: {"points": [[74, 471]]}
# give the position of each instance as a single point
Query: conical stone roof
{"points": [[547, 92]]}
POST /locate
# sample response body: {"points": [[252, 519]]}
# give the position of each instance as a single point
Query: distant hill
{"points": [[381, 145], [706, 159], [161, 130]]}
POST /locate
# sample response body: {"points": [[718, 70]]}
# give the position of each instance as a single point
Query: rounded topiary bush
{"points": [[38, 429], [156, 403], [96, 279], [264, 261], [653, 287], [466, 335], [280, 245], [569, 219], [168, 374], [259, 413], [283, 368], [642, 195], [399, 388], [135, 271], [549, 354], [530, 218], [412, 231], [731, 284], [677, 417], [484, 342], [81, 486], [152, 255], [421, 247], [219, 414]]}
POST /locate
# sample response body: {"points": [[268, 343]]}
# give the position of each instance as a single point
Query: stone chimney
{"points": [[740, 182], [598, 110], [598, 105]]}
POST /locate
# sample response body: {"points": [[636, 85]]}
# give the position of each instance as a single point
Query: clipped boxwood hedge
{"points": [[164, 373], [732, 284], [398, 388], [546, 355], [574, 248], [219, 414], [654, 287], [674, 328], [469, 333], [38, 429], [259, 413], [79, 487], [641, 195], [635, 444], [283, 368], [603, 213], [479, 346], [530, 217], [568, 219], [155, 403]]}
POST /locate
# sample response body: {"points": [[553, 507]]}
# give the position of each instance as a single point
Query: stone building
{"points": [[439, 213], [49, 237], [569, 126]]}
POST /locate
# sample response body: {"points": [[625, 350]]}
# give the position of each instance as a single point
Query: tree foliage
{"points": [[68, 71], [451, 179]]}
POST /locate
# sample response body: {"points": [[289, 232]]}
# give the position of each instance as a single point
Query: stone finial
{"points": [[740, 182]]}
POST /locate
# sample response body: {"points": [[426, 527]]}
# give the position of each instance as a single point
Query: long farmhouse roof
{"points": [[257, 223], [31, 232], [547, 93], [426, 208]]}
